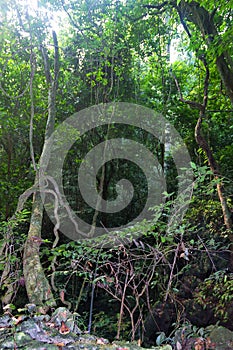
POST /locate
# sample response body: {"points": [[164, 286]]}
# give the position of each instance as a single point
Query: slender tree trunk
{"points": [[204, 20], [220, 189], [37, 286], [214, 167], [201, 141]]}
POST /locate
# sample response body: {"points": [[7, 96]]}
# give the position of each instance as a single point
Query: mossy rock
{"points": [[222, 337]]}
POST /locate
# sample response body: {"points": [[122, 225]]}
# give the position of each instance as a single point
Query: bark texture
{"points": [[37, 286], [204, 20]]}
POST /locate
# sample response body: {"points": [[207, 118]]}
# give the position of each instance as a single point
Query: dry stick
{"points": [[117, 298], [92, 292], [214, 267], [137, 294], [91, 306], [171, 273], [137, 306], [137, 297], [80, 295], [122, 306]]}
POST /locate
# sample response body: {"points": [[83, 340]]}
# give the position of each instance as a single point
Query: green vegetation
{"points": [[174, 57]]}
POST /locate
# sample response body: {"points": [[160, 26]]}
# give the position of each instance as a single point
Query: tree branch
{"points": [[157, 7]]}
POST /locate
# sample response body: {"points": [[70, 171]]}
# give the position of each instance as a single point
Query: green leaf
{"points": [[160, 339], [163, 239], [193, 165]]}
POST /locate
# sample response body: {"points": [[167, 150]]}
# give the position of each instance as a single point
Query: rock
{"points": [[31, 308], [133, 346], [198, 315], [40, 318], [222, 337], [19, 340], [30, 327], [39, 346], [87, 338], [160, 320], [42, 332], [6, 321], [62, 314]]}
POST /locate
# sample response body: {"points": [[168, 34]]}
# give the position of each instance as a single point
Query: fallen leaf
{"points": [[100, 341], [199, 344], [62, 295], [209, 344], [19, 319], [64, 329]]}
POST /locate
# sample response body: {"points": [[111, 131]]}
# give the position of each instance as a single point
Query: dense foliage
{"points": [[175, 57]]}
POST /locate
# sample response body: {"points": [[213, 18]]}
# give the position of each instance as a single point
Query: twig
{"points": [[171, 273], [214, 267]]}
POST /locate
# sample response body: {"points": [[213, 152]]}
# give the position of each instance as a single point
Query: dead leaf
{"points": [[100, 341], [199, 344], [64, 329], [19, 319], [62, 295], [209, 344]]}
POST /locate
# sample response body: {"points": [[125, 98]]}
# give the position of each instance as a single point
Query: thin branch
{"points": [[192, 104], [56, 59], [157, 7], [183, 22], [23, 197], [33, 64], [206, 82], [214, 267], [171, 273], [46, 65]]}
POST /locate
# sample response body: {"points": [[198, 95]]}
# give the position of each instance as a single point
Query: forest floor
{"points": [[60, 331]]}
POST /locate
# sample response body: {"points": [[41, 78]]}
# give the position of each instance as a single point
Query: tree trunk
{"points": [[214, 167], [220, 189], [201, 141], [37, 286], [204, 20]]}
